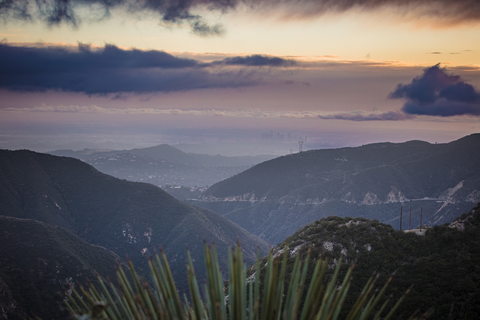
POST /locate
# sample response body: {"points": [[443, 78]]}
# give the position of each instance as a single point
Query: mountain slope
{"points": [[276, 197], [128, 218], [37, 263], [443, 265]]}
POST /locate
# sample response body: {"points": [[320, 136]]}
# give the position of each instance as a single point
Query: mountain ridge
{"points": [[294, 189], [126, 217]]}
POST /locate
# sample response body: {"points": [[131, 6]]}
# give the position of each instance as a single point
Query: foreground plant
{"points": [[319, 300]]}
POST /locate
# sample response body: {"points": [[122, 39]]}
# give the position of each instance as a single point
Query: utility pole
{"points": [[410, 221], [401, 212], [421, 211]]}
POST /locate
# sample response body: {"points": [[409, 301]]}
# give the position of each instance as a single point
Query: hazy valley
{"points": [[166, 166]]}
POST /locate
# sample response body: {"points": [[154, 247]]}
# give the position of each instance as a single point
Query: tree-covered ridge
{"points": [[443, 265], [129, 218], [276, 197], [38, 262]]}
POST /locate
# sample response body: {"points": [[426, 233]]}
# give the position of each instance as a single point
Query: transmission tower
{"points": [[300, 146]]}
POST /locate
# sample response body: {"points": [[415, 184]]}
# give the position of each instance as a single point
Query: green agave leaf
{"points": [[263, 296]]}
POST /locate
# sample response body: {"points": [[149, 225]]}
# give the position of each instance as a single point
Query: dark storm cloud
{"points": [[256, 60], [108, 70], [57, 59], [73, 12], [438, 93]]}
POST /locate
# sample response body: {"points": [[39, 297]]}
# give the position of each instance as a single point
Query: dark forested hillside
{"points": [[38, 262], [442, 265], [276, 197], [128, 218]]}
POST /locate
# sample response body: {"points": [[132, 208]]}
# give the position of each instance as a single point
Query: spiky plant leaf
{"points": [[265, 297]]}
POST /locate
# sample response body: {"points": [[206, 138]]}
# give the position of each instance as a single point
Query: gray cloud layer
{"points": [[367, 116], [256, 60], [112, 70], [73, 12], [438, 93]]}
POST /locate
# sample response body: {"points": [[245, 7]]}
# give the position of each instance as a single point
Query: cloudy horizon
{"points": [[143, 73]]}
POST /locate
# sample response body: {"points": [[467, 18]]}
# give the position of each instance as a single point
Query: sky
{"points": [[124, 73]]}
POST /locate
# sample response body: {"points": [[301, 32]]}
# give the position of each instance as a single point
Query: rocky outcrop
{"points": [[448, 195], [395, 195], [371, 199]]}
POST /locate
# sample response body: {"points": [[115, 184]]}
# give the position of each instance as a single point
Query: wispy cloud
{"points": [[257, 60], [247, 113], [354, 115], [368, 116], [358, 115], [438, 93], [203, 29], [74, 12]]}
